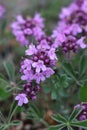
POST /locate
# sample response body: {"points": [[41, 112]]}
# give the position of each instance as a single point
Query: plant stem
{"points": [[44, 122], [12, 113]]}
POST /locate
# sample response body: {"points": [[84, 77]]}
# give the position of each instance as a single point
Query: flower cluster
{"points": [[24, 29], [29, 92], [36, 67], [71, 30], [40, 57], [2, 11], [69, 35], [83, 113]]}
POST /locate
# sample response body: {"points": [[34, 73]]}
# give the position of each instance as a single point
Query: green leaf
{"points": [[59, 118], [83, 65], [35, 112], [83, 94], [46, 89], [2, 76], [10, 70], [2, 80], [69, 70], [57, 127], [80, 124], [16, 123], [2, 118], [74, 114], [2, 127], [53, 95], [3, 94], [13, 108], [9, 88], [4, 24], [69, 128]]}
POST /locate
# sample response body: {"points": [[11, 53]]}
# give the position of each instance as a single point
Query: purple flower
{"points": [[76, 29], [83, 113], [26, 63], [43, 45], [63, 28], [22, 39], [52, 54], [48, 72], [20, 19], [70, 28], [39, 20], [66, 12], [23, 29], [79, 2], [31, 90], [39, 66], [81, 42], [27, 75], [39, 77], [59, 36], [32, 50], [84, 6], [2, 11], [45, 42], [28, 31], [22, 99], [38, 33]]}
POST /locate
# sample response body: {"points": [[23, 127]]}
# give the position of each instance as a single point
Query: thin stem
{"points": [[13, 113], [44, 122]]}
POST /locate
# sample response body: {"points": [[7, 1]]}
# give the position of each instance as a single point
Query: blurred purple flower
{"points": [[22, 99], [39, 66], [39, 20], [32, 50], [72, 27], [83, 113], [2, 11], [23, 29], [81, 42]]}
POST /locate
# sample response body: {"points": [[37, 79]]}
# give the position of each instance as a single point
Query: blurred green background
{"points": [[48, 8]]}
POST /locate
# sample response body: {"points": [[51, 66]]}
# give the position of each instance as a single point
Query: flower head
{"points": [[83, 113], [2, 11], [72, 25], [31, 90], [23, 29], [22, 99], [39, 20], [35, 66]]}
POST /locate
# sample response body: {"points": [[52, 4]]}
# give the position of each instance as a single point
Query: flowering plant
{"points": [[52, 69]]}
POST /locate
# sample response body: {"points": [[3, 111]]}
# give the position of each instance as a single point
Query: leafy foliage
{"points": [[70, 122]]}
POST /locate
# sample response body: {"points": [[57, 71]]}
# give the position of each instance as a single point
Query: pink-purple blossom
{"points": [[2, 11], [32, 50], [23, 29], [31, 90], [83, 113], [22, 99], [39, 20], [71, 30], [81, 42], [38, 77], [39, 65]]}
